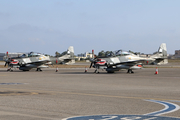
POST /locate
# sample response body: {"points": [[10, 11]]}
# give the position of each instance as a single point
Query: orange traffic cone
{"points": [[56, 69], [85, 69], [156, 72]]}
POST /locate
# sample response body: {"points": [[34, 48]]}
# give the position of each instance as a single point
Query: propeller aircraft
{"points": [[31, 60], [120, 59]]}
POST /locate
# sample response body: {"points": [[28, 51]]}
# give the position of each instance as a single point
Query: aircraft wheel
{"points": [[9, 70], [38, 69], [130, 71]]}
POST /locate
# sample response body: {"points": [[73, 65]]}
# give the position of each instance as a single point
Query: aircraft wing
{"points": [[67, 59], [38, 63], [129, 63]]}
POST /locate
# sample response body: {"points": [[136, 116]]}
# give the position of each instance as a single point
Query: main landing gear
{"points": [[9, 69], [38, 69], [130, 71], [96, 71]]}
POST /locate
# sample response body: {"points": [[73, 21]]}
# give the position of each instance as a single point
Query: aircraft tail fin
{"points": [[163, 50], [70, 60], [161, 55], [70, 51]]}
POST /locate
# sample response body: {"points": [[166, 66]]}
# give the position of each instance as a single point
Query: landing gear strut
{"points": [[97, 70], [130, 71], [9, 69]]}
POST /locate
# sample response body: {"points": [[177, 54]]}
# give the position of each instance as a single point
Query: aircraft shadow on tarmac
{"points": [[12, 71], [19, 71], [67, 72], [79, 73], [122, 72]]}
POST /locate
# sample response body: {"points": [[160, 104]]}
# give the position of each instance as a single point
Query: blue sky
{"points": [[48, 26]]}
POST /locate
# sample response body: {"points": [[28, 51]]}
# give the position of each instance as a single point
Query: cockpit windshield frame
{"points": [[34, 54], [119, 53], [31, 54]]}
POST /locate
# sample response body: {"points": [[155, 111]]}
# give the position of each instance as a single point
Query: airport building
{"points": [[1, 56], [86, 55], [177, 54]]}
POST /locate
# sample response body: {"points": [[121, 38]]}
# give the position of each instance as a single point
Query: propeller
{"points": [[91, 64], [5, 64], [7, 60], [93, 60]]}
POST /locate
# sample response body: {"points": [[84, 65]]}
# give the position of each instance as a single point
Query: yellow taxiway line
{"points": [[85, 94]]}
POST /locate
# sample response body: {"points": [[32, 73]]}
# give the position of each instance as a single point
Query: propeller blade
{"points": [[93, 54], [7, 54], [91, 65], [5, 64], [93, 59]]}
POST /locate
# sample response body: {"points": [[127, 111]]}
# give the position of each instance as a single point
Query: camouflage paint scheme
{"points": [[36, 60], [125, 60]]}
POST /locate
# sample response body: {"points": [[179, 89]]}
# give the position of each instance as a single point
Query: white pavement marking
{"points": [[169, 107]]}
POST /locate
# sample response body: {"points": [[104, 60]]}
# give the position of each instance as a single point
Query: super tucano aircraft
{"points": [[31, 60], [125, 60]]}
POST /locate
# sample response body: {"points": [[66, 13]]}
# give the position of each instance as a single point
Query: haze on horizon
{"points": [[48, 26]]}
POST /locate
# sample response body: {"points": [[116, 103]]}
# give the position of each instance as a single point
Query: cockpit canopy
{"points": [[119, 53], [31, 54]]}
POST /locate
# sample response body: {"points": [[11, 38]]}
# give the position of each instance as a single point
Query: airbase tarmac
{"points": [[50, 95]]}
